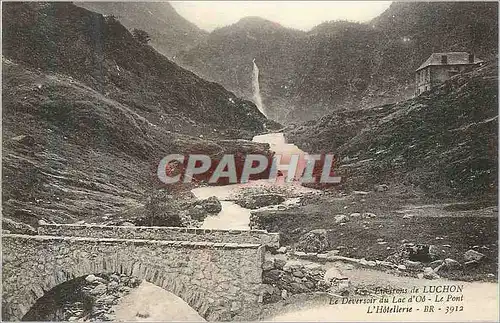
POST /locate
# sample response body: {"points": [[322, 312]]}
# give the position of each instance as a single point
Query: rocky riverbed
{"points": [[85, 299]]}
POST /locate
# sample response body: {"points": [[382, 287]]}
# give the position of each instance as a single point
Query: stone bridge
{"points": [[217, 272]]}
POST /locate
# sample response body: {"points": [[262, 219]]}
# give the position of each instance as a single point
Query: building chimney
{"points": [[471, 58], [444, 59]]}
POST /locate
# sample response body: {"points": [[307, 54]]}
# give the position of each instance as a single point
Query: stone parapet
{"points": [[162, 233]]}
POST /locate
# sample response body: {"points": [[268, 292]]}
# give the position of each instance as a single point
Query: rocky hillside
{"points": [[444, 143], [169, 31], [102, 53], [227, 53], [88, 112], [342, 64]]}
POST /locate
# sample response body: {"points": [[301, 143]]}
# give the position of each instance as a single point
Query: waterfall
{"points": [[256, 89]]}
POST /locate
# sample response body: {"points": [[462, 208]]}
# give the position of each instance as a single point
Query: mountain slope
{"points": [[343, 64], [227, 53], [101, 53], [88, 112], [444, 143], [169, 31]]}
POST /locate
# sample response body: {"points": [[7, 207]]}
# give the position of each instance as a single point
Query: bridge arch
{"points": [[192, 295], [217, 280]]}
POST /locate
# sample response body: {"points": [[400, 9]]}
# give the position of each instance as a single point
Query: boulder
{"points": [[296, 288], [429, 273], [292, 265], [100, 280], [268, 264], [271, 276], [113, 285], [451, 263], [298, 273], [260, 200], [91, 278], [471, 264], [197, 213], [309, 284], [381, 188], [42, 222], [281, 250], [413, 252], [25, 140], [343, 287], [413, 265], [436, 263], [160, 209], [436, 253], [314, 269], [271, 294], [114, 277], [472, 255], [300, 254], [363, 262], [279, 263], [211, 205], [440, 267], [127, 224], [313, 241], [341, 218], [332, 274], [99, 289], [107, 299], [109, 317]]}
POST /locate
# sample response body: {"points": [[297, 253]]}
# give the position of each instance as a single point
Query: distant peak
{"points": [[257, 21], [252, 18]]}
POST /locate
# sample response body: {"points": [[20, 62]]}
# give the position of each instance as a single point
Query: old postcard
{"points": [[250, 161]]}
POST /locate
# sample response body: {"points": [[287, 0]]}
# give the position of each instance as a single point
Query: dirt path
{"points": [[480, 302]]}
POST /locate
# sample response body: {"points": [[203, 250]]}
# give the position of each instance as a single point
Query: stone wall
{"points": [[162, 233], [283, 278], [219, 280]]}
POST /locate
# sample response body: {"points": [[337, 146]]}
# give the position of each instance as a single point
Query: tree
{"points": [[141, 36]]}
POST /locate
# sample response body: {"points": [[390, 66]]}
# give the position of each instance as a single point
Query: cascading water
{"points": [[256, 89]]}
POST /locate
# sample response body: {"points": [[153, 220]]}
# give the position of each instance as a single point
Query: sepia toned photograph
{"points": [[325, 161]]}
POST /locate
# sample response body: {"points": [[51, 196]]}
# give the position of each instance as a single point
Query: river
{"points": [[160, 305], [481, 298], [234, 216]]}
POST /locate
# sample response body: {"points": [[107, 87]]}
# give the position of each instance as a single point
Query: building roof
{"points": [[454, 58]]}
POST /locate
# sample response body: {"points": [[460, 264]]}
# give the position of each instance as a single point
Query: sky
{"points": [[302, 15]]}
